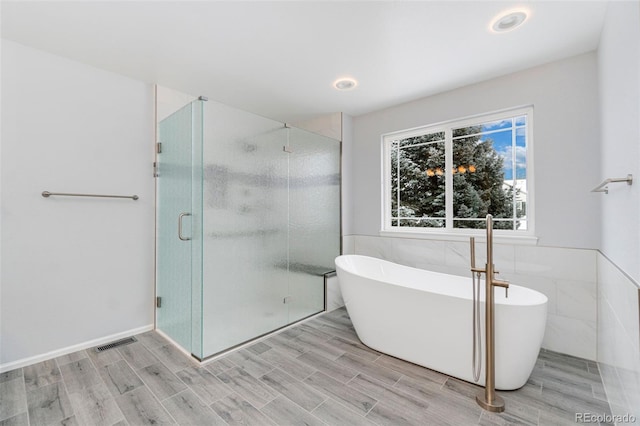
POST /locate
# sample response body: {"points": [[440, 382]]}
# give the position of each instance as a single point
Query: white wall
{"points": [[619, 267], [347, 176], [329, 125], [169, 101], [74, 270], [619, 72], [566, 145]]}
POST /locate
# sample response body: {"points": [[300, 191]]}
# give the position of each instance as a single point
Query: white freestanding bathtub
{"points": [[426, 318]]}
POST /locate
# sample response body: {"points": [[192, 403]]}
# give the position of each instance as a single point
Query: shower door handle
{"points": [[180, 226]]}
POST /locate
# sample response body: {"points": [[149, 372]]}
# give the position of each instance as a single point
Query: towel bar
{"points": [[47, 194], [603, 186]]}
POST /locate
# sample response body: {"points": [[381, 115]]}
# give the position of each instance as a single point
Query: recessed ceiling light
{"points": [[509, 21], [345, 84]]}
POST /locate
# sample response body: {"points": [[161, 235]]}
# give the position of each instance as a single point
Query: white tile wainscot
{"points": [[348, 244], [566, 276], [619, 338]]}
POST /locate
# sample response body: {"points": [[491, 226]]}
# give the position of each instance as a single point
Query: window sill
{"points": [[528, 240]]}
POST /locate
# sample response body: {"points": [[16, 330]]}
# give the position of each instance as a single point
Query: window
{"points": [[448, 177]]}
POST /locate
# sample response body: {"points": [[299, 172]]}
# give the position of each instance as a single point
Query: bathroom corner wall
{"points": [[619, 101], [169, 101], [329, 125], [619, 337], [566, 276]]}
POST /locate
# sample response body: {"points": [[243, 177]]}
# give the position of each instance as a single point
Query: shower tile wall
{"points": [[619, 338], [566, 276]]}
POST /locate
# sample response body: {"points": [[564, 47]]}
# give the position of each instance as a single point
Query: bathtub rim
{"points": [[526, 296]]}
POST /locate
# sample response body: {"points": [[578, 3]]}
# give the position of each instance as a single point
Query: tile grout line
{"points": [[26, 400], [232, 391], [223, 419], [538, 417], [105, 384], [238, 396], [257, 378], [351, 409], [66, 389], [326, 398], [285, 396], [188, 389], [193, 390], [153, 395]]}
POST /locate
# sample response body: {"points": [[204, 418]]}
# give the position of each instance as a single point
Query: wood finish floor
{"points": [[316, 373]]}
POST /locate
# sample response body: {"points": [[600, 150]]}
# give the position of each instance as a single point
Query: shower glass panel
{"points": [[179, 252], [245, 227], [314, 219]]}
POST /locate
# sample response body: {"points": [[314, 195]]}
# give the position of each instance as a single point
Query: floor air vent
{"points": [[116, 344]]}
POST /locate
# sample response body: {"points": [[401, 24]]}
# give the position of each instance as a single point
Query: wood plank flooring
{"points": [[316, 373]]}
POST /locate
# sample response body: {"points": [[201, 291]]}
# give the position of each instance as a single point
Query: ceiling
{"points": [[280, 59]]}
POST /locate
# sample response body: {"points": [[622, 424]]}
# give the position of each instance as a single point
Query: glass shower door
{"points": [[178, 240]]}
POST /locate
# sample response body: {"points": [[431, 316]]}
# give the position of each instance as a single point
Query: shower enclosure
{"points": [[248, 224]]}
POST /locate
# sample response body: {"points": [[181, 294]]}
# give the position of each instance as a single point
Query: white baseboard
{"points": [[70, 349]]}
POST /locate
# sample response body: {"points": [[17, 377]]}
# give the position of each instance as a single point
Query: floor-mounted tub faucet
{"points": [[488, 399]]}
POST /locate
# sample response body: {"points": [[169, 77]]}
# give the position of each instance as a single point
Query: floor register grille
{"points": [[116, 344]]}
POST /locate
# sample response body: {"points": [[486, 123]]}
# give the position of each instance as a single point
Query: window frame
{"points": [[448, 232]]}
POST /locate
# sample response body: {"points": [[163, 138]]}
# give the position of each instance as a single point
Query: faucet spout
{"points": [[500, 283]]}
